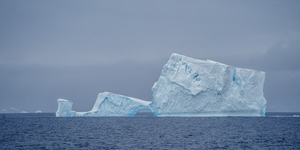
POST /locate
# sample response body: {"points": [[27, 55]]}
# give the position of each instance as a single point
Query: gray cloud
{"points": [[76, 49]]}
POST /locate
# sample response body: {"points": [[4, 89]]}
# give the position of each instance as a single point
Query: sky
{"points": [[75, 49]]}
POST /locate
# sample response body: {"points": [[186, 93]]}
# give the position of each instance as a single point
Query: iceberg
{"points": [[187, 87], [107, 104], [38, 111], [191, 87], [65, 108]]}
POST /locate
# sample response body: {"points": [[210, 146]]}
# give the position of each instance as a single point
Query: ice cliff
{"points": [[188, 87], [191, 87]]}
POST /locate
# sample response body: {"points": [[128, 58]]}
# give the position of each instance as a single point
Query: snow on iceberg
{"points": [[107, 104], [187, 87], [191, 87]]}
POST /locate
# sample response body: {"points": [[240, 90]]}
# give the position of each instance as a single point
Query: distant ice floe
{"points": [[38, 111], [10, 110]]}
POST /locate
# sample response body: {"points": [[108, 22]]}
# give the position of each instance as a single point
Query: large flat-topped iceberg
{"points": [[107, 104], [191, 87], [187, 87]]}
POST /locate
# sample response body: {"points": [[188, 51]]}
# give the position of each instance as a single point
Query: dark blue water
{"points": [[45, 131]]}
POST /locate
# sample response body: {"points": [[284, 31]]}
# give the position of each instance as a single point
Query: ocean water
{"points": [[45, 131]]}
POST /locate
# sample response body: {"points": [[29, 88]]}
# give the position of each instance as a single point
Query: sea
{"points": [[275, 131]]}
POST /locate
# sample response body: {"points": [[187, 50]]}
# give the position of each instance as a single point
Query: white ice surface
{"points": [[107, 104], [191, 87]]}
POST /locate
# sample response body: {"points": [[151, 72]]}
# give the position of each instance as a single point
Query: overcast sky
{"points": [[76, 49]]}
